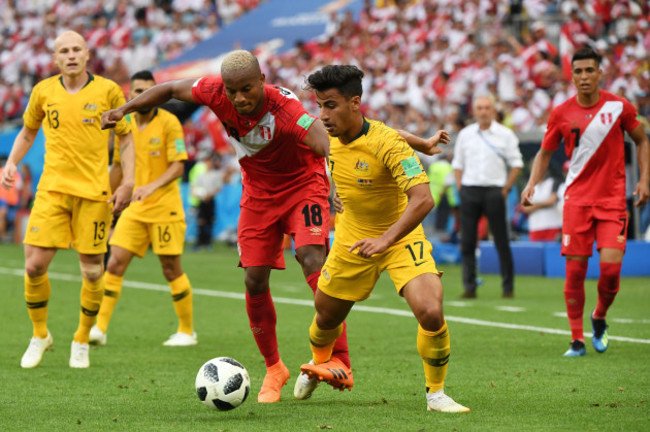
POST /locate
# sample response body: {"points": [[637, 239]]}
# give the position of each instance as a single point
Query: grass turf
{"points": [[511, 378]]}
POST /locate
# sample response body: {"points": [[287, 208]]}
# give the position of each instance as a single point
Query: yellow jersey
{"points": [[157, 145], [76, 148], [372, 174]]}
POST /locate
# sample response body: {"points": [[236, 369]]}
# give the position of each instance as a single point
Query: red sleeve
{"points": [[297, 120], [553, 134], [207, 90], [629, 118]]}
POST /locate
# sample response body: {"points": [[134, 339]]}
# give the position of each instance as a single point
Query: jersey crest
{"points": [[255, 140]]}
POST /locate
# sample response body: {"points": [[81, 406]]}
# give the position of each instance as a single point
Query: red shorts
{"points": [[263, 223], [581, 224]]}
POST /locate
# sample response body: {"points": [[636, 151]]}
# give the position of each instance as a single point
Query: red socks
{"points": [[574, 296], [262, 318], [608, 284], [340, 350]]}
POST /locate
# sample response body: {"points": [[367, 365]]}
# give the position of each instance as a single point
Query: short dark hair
{"points": [[586, 53], [345, 78], [144, 75]]}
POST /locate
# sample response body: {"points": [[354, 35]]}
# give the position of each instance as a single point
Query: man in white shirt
{"points": [[486, 164]]}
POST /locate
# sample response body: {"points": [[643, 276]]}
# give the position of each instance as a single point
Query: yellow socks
{"points": [[322, 341], [434, 350], [112, 292], [37, 294], [91, 298], [182, 297]]}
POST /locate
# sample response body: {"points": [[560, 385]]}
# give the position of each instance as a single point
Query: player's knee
{"points": [[431, 317], [35, 268], [91, 271], [171, 272], [256, 285], [327, 321], [115, 266], [312, 262]]}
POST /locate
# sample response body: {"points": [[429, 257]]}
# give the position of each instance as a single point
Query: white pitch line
{"points": [[510, 308], [456, 303], [310, 303]]}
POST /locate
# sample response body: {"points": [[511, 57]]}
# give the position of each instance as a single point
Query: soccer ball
{"points": [[222, 383]]}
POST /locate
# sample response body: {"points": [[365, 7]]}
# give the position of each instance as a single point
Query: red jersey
{"points": [[270, 145], [594, 141]]}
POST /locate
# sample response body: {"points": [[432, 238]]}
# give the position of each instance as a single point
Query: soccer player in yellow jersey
{"points": [[385, 195], [73, 199], [154, 218]]}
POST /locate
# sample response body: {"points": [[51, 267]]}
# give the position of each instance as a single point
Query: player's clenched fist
{"points": [[110, 118]]}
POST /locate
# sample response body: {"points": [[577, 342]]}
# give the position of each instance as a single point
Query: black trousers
{"points": [[476, 201], [204, 222]]}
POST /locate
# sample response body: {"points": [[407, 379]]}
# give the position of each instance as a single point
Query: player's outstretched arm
{"points": [[317, 139], [121, 197], [643, 156], [427, 146], [22, 144], [153, 97], [540, 165], [419, 205]]}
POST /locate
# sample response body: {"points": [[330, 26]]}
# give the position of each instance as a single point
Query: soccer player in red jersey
{"points": [[281, 151], [592, 124]]}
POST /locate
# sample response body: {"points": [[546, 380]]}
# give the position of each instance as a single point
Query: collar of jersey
{"points": [[90, 78], [364, 130]]}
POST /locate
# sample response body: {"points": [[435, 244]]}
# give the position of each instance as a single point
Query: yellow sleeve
{"points": [[116, 99], [401, 160], [174, 140], [34, 114]]}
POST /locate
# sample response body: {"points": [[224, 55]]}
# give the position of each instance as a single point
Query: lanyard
{"points": [[494, 149]]}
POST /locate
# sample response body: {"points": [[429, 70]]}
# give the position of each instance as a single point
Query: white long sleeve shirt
{"points": [[479, 162]]}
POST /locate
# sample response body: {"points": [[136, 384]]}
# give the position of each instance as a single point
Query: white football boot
{"points": [[181, 339], [439, 401], [305, 386], [97, 337], [79, 355], [34, 354]]}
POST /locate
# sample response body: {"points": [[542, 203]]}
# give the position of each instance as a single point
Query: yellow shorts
{"points": [[348, 276], [59, 220], [165, 238]]}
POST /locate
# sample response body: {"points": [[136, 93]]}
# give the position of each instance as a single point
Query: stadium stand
{"points": [[424, 60], [123, 36]]}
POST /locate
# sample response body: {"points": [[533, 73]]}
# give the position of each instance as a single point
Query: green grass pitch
{"points": [[506, 360]]}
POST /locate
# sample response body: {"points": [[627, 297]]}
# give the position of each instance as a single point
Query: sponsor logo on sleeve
{"points": [[411, 167], [180, 145], [305, 121]]}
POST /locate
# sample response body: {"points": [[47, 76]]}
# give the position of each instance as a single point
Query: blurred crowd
{"points": [[425, 60], [123, 36]]}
